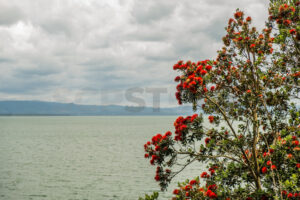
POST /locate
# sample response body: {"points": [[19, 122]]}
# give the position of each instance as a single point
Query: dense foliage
{"points": [[249, 94]]}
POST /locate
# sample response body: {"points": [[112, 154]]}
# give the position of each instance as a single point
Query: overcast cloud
{"points": [[92, 51]]}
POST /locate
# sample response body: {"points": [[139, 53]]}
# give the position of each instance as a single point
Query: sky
{"points": [[103, 52]]}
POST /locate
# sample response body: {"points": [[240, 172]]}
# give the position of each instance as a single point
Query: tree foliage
{"points": [[249, 94]]}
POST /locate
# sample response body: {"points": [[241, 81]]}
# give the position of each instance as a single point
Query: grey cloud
{"points": [[57, 26], [5, 60], [145, 11], [71, 50], [31, 73], [25, 86], [10, 14], [145, 33]]}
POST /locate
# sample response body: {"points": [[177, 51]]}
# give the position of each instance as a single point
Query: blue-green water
{"points": [[77, 158]]}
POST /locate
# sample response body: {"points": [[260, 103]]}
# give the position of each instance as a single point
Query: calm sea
{"points": [[79, 158]]}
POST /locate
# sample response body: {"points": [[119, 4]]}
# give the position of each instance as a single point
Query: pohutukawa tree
{"points": [[249, 94]]}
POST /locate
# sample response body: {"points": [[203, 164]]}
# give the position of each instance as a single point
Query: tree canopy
{"points": [[250, 95]]}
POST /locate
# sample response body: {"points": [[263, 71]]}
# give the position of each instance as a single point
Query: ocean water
{"points": [[80, 158]]}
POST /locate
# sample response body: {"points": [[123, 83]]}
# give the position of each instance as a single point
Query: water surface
{"points": [[79, 158]]}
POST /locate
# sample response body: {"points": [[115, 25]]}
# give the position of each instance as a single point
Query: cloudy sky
{"points": [[96, 51]]}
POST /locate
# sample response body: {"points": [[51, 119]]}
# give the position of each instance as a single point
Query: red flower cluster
{"points": [[193, 188], [207, 140], [238, 14], [211, 194], [212, 187], [285, 12], [290, 195], [159, 173], [193, 182], [212, 169], [265, 154], [188, 187], [264, 170], [157, 177], [205, 175], [295, 142], [154, 148], [176, 191], [180, 125], [211, 118], [192, 78], [293, 31]]}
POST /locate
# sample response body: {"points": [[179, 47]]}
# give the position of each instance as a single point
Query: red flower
{"points": [[188, 187], [168, 133], [152, 162], [157, 177], [298, 165], [292, 8], [252, 45], [230, 21], [212, 88], [207, 140], [238, 14], [182, 127], [146, 155], [248, 91], [248, 19], [177, 79], [211, 118], [211, 194], [264, 170], [293, 31], [187, 194], [208, 67], [204, 175], [154, 157], [295, 142], [289, 156], [203, 72], [273, 167], [199, 68], [193, 182], [287, 22], [194, 116], [294, 137], [269, 162], [212, 187], [290, 195], [176, 191]]}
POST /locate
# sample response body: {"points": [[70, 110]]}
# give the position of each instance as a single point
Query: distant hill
{"points": [[54, 108]]}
